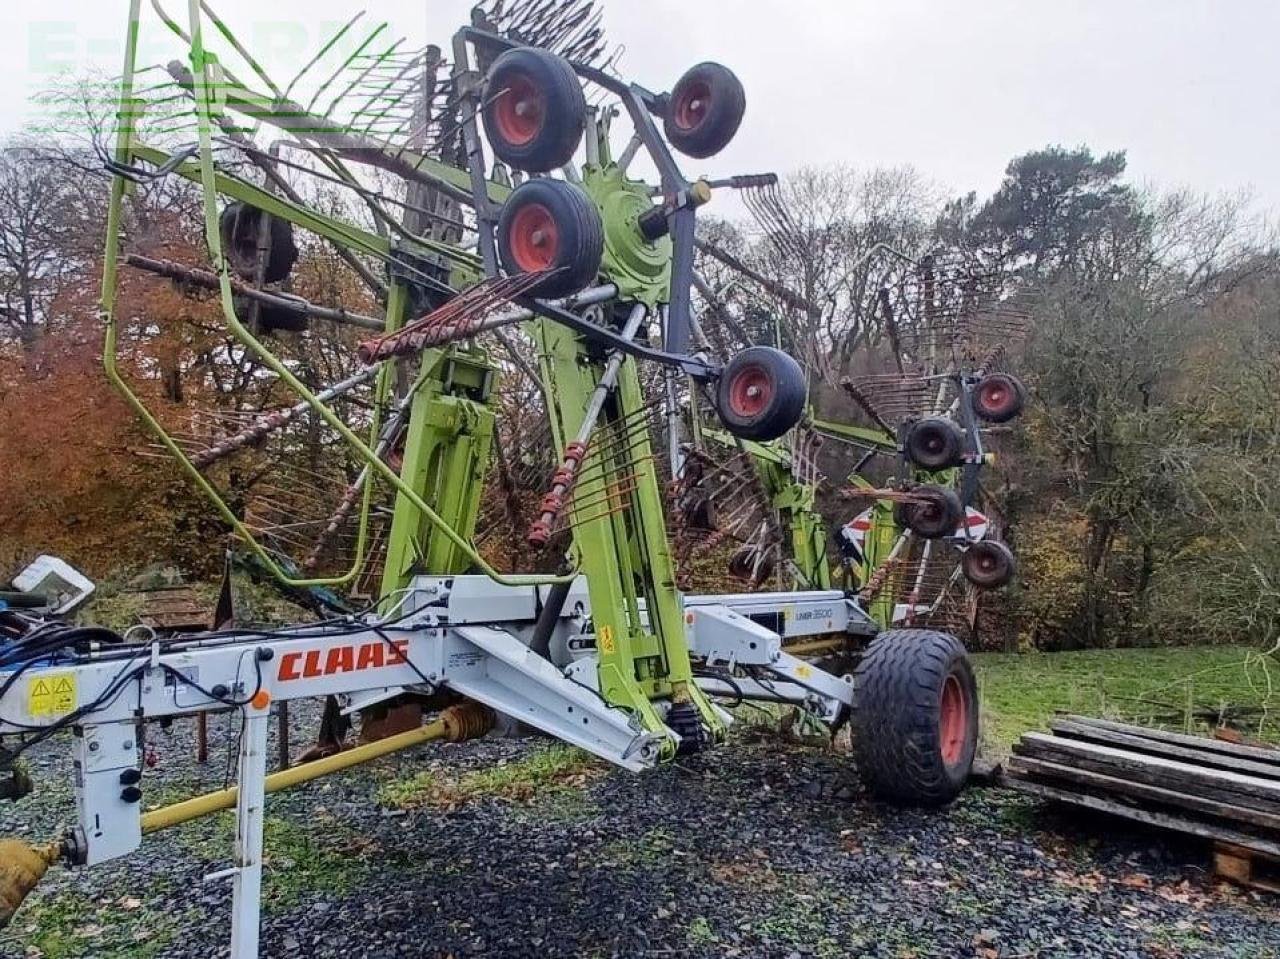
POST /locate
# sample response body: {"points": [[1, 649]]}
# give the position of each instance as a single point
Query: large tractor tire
{"points": [[915, 717]]}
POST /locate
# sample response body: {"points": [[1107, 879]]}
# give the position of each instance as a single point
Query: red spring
{"points": [[561, 482], [539, 533], [552, 503]]}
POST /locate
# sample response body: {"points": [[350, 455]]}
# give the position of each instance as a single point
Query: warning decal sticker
{"points": [[52, 694]]}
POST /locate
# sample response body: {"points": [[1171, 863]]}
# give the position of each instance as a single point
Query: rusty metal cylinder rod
{"points": [[271, 422], [541, 530], [210, 281], [408, 341]]}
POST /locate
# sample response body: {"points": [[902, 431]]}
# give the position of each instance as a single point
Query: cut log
{"points": [[1201, 757], [1257, 753], [1162, 820], [1074, 777], [1236, 788]]}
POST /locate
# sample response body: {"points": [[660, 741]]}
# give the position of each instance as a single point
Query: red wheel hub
{"points": [[953, 721], [519, 110], [691, 105], [750, 392], [534, 238], [995, 396]]}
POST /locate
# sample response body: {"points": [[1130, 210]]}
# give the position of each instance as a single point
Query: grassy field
{"points": [[1021, 692]]}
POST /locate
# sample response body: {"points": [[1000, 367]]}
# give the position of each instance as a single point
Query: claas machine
{"points": [[493, 203]]}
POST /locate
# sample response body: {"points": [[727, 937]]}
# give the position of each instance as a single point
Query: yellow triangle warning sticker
{"points": [[51, 695]]}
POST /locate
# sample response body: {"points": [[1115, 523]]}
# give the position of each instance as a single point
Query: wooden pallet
{"points": [[1246, 867], [173, 609], [1224, 792]]}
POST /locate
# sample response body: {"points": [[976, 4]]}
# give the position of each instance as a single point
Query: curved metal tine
{"points": [[235, 45], [531, 14], [584, 41], [459, 122], [342, 67], [410, 65], [788, 231], [374, 63]]}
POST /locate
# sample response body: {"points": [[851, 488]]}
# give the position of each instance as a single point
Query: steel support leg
{"points": [[246, 902]]}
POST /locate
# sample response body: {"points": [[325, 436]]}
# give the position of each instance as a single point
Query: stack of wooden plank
{"points": [[1221, 791]]}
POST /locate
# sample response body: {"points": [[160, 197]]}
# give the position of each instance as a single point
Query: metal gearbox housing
{"points": [[638, 267]]}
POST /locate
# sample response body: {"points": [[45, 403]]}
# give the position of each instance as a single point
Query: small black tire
{"points": [[534, 109], [934, 443], [989, 564], [915, 717], [761, 394], [704, 110], [936, 515], [238, 230], [999, 398], [551, 226]]}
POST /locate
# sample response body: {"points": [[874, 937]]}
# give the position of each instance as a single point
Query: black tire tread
{"points": [[789, 401], [577, 216], [951, 456], [566, 111], [895, 719], [1019, 390], [716, 134]]}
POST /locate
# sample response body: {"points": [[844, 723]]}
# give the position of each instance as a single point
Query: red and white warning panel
{"points": [[974, 527]]}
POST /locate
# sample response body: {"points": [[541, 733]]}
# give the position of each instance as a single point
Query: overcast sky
{"points": [[1190, 88]]}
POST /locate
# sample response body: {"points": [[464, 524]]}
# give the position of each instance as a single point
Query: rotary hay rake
{"points": [[546, 285]]}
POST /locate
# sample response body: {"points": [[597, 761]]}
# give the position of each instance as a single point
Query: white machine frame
{"points": [[466, 633]]}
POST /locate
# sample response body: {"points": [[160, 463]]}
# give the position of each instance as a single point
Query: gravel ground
{"points": [[758, 849]]}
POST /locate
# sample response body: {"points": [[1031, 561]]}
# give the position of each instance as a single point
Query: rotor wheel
{"points": [[553, 227], [761, 394], [934, 443], [989, 564], [239, 229], [999, 398], [915, 717], [534, 110], [704, 110], [936, 513]]}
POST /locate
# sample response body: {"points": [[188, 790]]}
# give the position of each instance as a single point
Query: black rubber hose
{"points": [[16, 600], [548, 616]]}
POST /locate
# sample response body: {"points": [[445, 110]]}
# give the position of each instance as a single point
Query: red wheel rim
{"points": [[750, 392], [995, 396], [518, 110], [534, 238], [691, 105], [953, 721]]}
